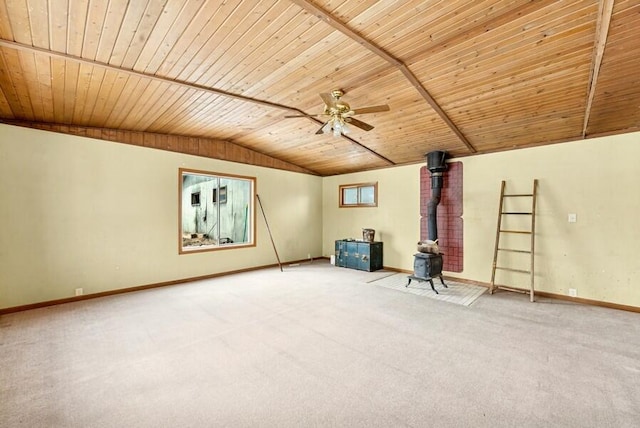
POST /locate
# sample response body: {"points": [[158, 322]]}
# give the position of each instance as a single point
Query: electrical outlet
{"points": [[572, 218], [79, 292], [573, 292], [309, 255]]}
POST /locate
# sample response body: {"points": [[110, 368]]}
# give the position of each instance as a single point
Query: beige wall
{"points": [[396, 219], [596, 179], [83, 213]]}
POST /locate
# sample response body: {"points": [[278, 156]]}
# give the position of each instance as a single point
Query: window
{"points": [[359, 195], [225, 220], [195, 199], [223, 195]]}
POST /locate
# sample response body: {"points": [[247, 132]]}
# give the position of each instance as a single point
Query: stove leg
{"points": [[432, 287], [442, 281], [409, 282]]}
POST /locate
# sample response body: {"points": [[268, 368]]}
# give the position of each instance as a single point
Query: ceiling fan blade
{"points": [[372, 109], [322, 128], [328, 100], [360, 124], [302, 115]]}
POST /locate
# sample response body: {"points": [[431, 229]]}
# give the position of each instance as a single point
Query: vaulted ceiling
{"points": [[217, 78]]}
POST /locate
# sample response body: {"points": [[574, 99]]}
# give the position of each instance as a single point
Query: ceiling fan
{"points": [[341, 115]]}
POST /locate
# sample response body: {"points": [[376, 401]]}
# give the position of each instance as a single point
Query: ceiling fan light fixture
{"points": [[341, 115], [337, 125], [336, 130]]}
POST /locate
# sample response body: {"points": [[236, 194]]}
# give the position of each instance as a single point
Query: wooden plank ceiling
{"points": [[216, 78]]}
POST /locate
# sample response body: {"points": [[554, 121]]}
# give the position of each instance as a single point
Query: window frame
{"points": [[250, 202], [358, 186]]}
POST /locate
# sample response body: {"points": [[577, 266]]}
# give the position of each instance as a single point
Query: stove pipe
{"points": [[436, 166]]}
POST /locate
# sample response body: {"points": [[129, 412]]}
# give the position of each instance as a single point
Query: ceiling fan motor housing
{"points": [[339, 107]]}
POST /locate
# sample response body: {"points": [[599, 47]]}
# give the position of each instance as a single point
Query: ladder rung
{"points": [[516, 213], [518, 195], [527, 232], [517, 290], [513, 270], [514, 251]]}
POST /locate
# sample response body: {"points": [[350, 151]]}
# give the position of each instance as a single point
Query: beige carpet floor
{"points": [[317, 346]]}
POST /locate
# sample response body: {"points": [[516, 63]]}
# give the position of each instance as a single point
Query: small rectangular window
{"points": [[223, 195], [195, 199], [359, 195]]}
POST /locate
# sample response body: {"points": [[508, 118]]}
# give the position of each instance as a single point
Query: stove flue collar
{"points": [[436, 162]]}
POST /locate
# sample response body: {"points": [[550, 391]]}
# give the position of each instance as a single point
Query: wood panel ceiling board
{"points": [[131, 16], [14, 84], [5, 23], [172, 23], [278, 47], [221, 39], [85, 73], [195, 45], [447, 30], [29, 78], [58, 22], [178, 111], [141, 103], [189, 42], [404, 32], [92, 96], [111, 86], [109, 31], [258, 38], [460, 34], [76, 24], [229, 40], [95, 24], [9, 101], [516, 42]]}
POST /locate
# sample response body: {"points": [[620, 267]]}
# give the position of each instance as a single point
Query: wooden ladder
{"points": [[500, 230]]}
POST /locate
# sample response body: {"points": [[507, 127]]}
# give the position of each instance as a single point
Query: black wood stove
{"points": [[428, 265]]}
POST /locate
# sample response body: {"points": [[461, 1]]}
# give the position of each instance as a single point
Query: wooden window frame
{"points": [[358, 186]]}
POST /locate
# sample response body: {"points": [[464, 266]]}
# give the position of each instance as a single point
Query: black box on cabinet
{"points": [[361, 255]]}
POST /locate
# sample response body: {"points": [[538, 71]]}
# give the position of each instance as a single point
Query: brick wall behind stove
{"points": [[449, 216]]}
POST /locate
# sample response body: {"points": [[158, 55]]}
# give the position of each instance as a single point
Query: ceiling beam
{"points": [[605, 10], [395, 62], [66, 57]]}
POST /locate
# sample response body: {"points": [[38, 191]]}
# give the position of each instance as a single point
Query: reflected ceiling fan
{"points": [[341, 115]]}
